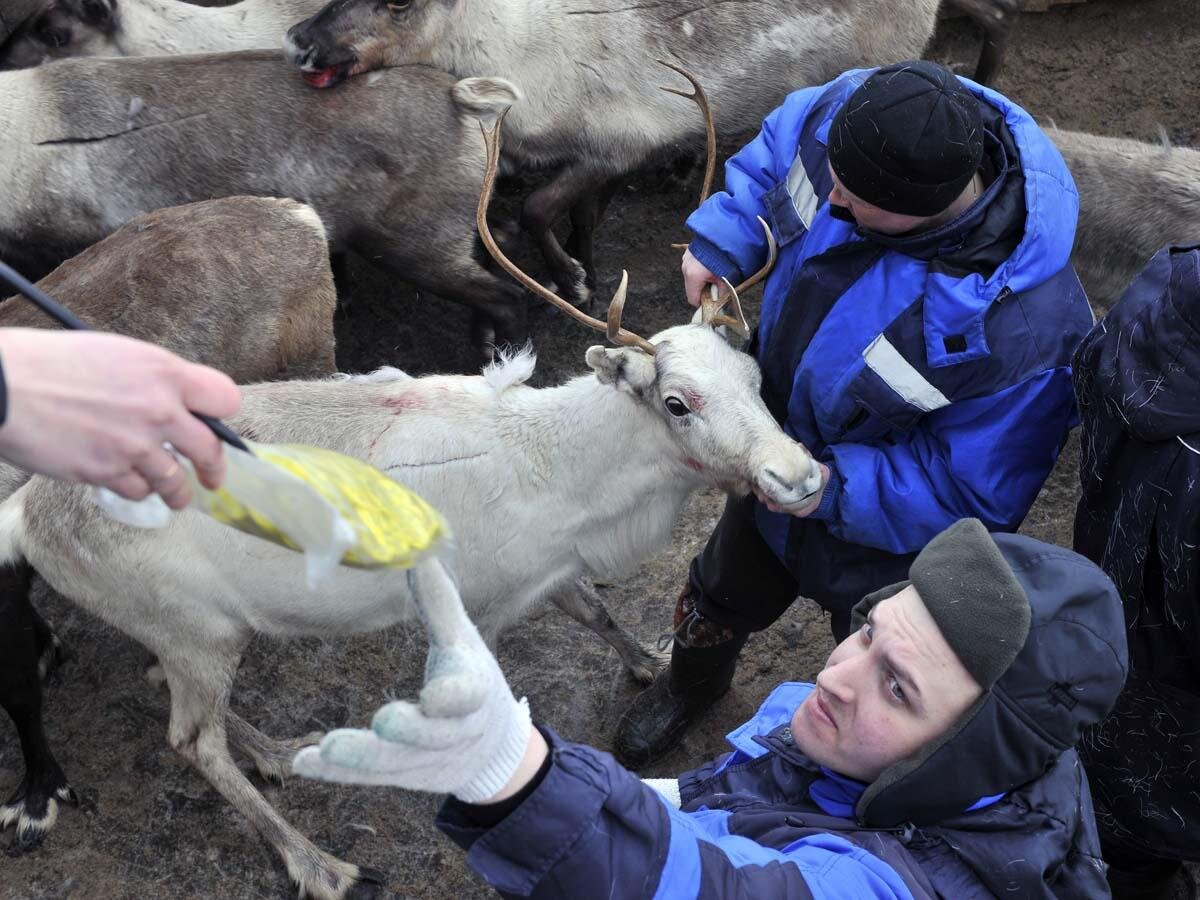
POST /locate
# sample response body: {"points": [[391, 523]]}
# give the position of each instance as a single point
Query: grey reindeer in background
{"points": [[64, 28], [1135, 198], [587, 68], [391, 164]]}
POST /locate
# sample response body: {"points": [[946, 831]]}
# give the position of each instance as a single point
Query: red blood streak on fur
{"points": [[402, 403], [693, 464], [694, 401], [371, 449]]}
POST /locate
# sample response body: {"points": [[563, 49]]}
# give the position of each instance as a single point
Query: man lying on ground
{"points": [[933, 757]]}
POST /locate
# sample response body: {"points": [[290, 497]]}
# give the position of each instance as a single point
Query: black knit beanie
{"points": [[909, 140]]}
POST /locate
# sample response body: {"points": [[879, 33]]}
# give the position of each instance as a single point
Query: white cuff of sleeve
{"points": [[507, 756], [668, 787]]}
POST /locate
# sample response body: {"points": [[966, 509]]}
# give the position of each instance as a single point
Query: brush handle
{"points": [[68, 319]]}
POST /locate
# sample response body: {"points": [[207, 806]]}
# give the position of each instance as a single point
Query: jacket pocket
{"points": [[785, 221], [864, 425]]}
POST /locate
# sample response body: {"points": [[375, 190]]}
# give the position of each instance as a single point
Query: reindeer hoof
{"points": [[645, 665], [344, 881], [33, 810], [370, 882]]}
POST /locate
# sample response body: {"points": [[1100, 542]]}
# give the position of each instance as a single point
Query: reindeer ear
{"points": [[98, 13], [625, 368]]}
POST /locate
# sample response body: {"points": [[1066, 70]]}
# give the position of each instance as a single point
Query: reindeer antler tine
{"points": [[710, 131], [736, 321], [616, 307], [616, 333], [772, 254], [712, 305], [492, 142]]}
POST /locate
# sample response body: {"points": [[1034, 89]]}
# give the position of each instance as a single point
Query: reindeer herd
{"points": [[150, 182]]}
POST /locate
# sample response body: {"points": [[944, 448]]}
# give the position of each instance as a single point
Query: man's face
{"points": [[887, 690], [872, 217]]}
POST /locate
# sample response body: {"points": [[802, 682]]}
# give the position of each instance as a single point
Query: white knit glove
{"points": [[465, 737]]}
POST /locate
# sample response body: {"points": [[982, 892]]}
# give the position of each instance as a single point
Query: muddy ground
{"points": [[152, 828]]}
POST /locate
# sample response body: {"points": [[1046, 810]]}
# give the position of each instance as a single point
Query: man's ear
{"points": [[625, 368]]}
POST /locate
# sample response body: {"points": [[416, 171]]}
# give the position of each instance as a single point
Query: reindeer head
{"points": [[706, 391], [352, 36], [707, 394], [64, 28]]}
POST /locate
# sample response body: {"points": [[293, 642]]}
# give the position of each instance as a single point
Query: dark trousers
{"points": [[740, 582]]}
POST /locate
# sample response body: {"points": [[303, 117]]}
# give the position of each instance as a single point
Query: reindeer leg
{"points": [[583, 604], [498, 305], [200, 682], [52, 653], [543, 208], [585, 216], [272, 758], [33, 807], [994, 19]]}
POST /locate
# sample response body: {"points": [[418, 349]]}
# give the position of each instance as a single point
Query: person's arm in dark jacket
{"points": [[593, 829]]}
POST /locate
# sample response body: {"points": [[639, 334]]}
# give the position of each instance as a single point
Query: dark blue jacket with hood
{"points": [[998, 807], [1138, 381]]}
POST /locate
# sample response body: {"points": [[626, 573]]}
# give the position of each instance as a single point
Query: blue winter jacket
{"points": [[765, 822], [1001, 808], [930, 372]]}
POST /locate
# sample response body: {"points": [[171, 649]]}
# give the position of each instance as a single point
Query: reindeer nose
{"points": [[812, 483], [299, 47], [781, 484]]}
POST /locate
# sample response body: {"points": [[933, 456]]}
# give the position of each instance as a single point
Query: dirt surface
{"points": [[150, 827]]}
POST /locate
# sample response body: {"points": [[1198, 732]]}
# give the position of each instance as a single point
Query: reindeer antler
{"points": [[710, 132], [613, 329], [711, 306]]}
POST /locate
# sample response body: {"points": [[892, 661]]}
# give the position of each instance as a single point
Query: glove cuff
{"points": [[668, 788], [509, 750]]}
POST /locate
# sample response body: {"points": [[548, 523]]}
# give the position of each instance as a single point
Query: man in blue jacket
{"points": [[916, 336], [932, 758]]}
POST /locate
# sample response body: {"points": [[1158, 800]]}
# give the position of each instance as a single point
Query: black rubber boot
{"points": [[656, 721]]}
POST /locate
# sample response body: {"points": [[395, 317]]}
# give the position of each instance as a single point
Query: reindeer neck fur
{"points": [[565, 75], [610, 464], [19, 109], [168, 27], [592, 63]]}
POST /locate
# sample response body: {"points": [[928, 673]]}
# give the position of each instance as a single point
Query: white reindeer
{"points": [[150, 28], [540, 486]]}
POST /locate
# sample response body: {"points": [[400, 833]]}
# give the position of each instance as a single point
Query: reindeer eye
{"points": [[677, 407]]}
